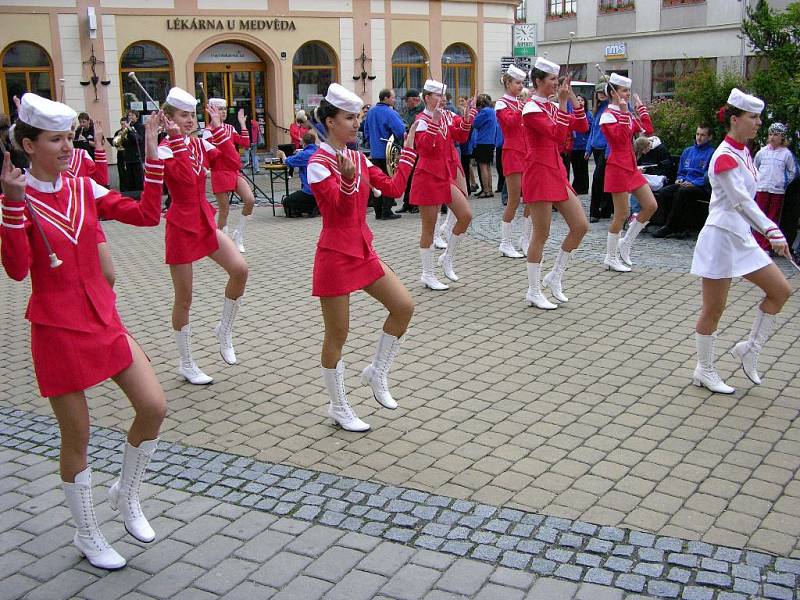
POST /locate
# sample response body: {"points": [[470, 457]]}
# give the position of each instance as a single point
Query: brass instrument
{"points": [[392, 155], [119, 140]]}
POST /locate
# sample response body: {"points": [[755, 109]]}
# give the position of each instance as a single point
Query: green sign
{"points": [[524, 40]]}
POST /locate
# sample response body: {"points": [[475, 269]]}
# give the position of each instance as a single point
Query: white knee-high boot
{"points": [[428, 278], [123, 495], [224, 330], [439, 242], [626, 243], [339, 409], [446, 259], [506, 245], [187, 368], [612, 260], [534, 295], [238, 233], [553, 279], [705, 374], [89, 540], [525, 236], [446, 230], [748, 350], [376, 374]]}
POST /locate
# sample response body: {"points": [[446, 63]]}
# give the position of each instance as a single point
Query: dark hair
{"points": [[538, 74], [706, 126], [84, 115], [449, 96], [585, 100], [728, 111], [309, 137], [483, 101], [325, 111], [384, 94], [22, 130]]}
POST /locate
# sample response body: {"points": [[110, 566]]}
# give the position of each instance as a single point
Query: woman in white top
{"points": [[776, 169], [726, 247]]}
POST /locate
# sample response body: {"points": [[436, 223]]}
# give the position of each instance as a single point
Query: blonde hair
{"points": [[641, 145]]}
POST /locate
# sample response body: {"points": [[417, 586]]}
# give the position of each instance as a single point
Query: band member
{"points": [[726, 247], [545, 183], [191, 233], [622, 177], [515, 149], [439, 179], [345, 261], [77, 337], [226, 166]]}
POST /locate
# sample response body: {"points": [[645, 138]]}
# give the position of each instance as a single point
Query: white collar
{"points": [[329, 149], [428, 112], [46, 187], [541, 99], [509, 97]]}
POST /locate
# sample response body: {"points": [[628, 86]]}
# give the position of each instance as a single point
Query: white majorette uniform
{"points": [[726, 247]]}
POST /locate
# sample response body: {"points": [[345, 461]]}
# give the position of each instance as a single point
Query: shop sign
{"points": [[194, 24], [616, 51], [524, 40], [523, 62]]}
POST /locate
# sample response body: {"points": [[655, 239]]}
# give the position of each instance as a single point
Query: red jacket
{"points": [[622, 174], [546, 126], [74, 295], [435, 143], [509, 117], [226, 139], [82, 165]]}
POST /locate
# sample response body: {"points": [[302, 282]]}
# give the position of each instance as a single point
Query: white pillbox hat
{"points": [[435, 87], [515, 72], [46, 114], [620, 80], [745, 102], [343, 98], [218, 102], [547, 66], [182, 100]]}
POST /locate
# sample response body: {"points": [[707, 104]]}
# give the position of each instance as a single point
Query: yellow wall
{"points": [[460, 32], [31, 28], [409, 31]]}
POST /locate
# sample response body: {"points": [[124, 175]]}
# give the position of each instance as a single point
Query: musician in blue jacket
{"points": [[689, 191], [382, 121], [600, 205]]}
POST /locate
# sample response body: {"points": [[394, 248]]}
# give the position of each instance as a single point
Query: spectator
{"points": [[656, 159], [690, 188], [299, 128], [600, 204], [484, 128], [578, 158], [413, 106], [450, 106], [118, 143], [381, 122], [84, 134], [301, 200], [776, 169], [461, 105], [255, 139], [18, 159], [133, 151]]}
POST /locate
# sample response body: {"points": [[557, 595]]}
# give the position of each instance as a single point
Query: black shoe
{"points": [[390, 215], [413, 210], [406, 208], [594, 219], [662, 232], [378, 216]]}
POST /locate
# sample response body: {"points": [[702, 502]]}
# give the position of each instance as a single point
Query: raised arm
{"points": [[394, 186], [15, 250]]}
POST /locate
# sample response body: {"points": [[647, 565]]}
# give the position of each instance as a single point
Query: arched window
{"points": [[314, 68], [26, 67], [153, 67], [458, 70], [408, 68]]}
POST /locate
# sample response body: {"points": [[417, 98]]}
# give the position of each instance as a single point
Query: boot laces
{"points": [[96, 536], [132, 491], [341, 403]]}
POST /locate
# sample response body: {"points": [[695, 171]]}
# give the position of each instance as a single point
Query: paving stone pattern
{"points": [[449, 528]]}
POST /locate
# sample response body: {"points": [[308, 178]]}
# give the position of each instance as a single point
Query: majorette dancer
{"points": [[191, 233], [726, 247], [49, 223], [226, 176], [622, 176], [345, 260], [439, 179], [515, 149], [545, 182]]}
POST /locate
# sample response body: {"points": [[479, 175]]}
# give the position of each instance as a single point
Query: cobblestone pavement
{"points": [[585, 413]]}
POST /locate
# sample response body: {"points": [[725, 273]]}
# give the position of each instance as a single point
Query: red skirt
{"points": [[337, 274], [184, 246], [224, 181], [429, 190], [68, 361], [513, 161], [619, 179], [545, 185]]}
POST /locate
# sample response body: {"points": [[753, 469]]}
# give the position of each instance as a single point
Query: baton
{"points": [[132, 75], [569, 51]]}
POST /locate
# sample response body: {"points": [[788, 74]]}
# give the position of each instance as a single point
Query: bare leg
{"points": [[647, 201], [715, 296], [542, 215], [513, 186], [573, 214], [140, 385], [621, 210], [336, 316], [774, 285], [486, 177], [246, 194], [428, 216], [228, 257], [223, 207], [390, 292], [461, 209], [106, 264], [182, 285], [72, 414]]}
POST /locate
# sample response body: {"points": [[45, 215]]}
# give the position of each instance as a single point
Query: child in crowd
{"points": [[776, 168]]}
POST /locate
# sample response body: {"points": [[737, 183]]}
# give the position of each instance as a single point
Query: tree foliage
{"points": [[674, 123]]}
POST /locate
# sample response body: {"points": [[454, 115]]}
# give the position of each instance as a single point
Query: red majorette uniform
{"points": [[545, 179], [191, 232], [345, 260], [618, 128], [226, 165], [77, 337], [726, 247], [81, 164]]}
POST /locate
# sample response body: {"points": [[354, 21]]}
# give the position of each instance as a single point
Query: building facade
{"points": [[270, 57], [652, 41]]}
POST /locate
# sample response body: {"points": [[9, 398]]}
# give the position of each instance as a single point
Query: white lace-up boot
{"points": [[238, 233], [224, 330], [428, 278], [124, 494], [626, 243], [446, 230], [186, 366], [534, 296], [748, 351], [376, 374], [553, 279], [89, 540], [339, 409], [439, 242], [446, 259], [525, 236], [705, 374], [506, 245], [612, 260]]}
